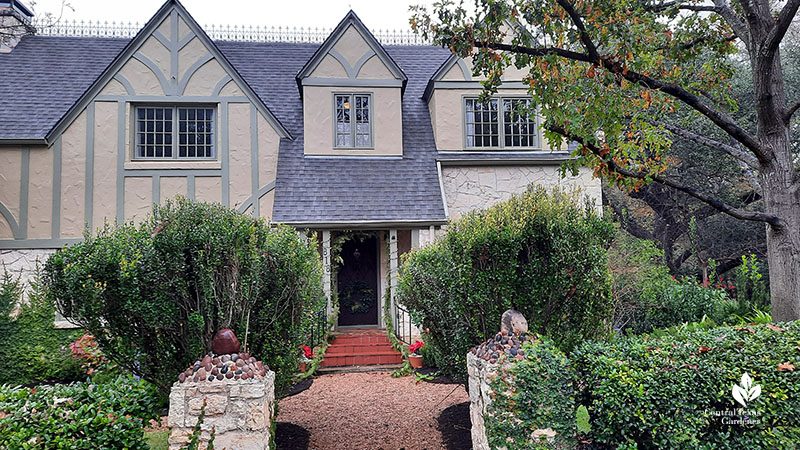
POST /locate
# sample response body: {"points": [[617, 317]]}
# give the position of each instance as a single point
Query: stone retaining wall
{"points": [[480, 374], [241, 412]]}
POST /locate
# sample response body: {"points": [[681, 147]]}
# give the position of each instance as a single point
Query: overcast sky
{"points": [[376, 14]]}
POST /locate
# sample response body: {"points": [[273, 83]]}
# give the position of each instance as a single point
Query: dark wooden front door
{"points": [[358, 282]]}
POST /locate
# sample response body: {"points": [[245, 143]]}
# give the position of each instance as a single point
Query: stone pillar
{"points": [[240, 411], [481, 373]]}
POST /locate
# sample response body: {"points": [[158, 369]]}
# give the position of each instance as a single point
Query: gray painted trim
{"points": [[166, 86], [477, 85], [156, 189], [185, 41], [190, 187], [36, 243], [173, 51], [366, 224], [55, 225], [361, 61], [162, 39], [503, 162], [88, 190], [262, 191], [347, 82], [170, 100], [121, 161], [441, 188], [23, 141], [223, 156], [360, 157], [254, 160], [12, 222], [464, 69], [175, 172], [123, 80], [221, 85], [191, 71], [24, 186]]}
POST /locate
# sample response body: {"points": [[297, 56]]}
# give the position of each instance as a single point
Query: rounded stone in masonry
{"points": [[508, 342], [513, 322], [218, 367], [225, 342]]}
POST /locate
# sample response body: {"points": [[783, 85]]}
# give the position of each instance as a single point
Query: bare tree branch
{"points": [[718, 204], [733, 21], [782, 23], [737, 153], [787, 116]]}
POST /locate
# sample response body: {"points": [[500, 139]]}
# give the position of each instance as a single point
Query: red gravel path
{"points": [[371, 411]]}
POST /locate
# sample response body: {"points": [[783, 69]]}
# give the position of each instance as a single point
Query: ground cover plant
{"points": [[542, 253], [154, 294]]}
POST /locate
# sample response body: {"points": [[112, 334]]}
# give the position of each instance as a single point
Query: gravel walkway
{"points": [[371, 411]]}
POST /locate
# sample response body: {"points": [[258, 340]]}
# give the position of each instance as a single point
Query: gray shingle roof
{"points": [[50, 73]]}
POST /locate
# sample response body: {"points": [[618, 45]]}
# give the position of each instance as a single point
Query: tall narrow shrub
{"points": [[542, 253], [153, 295]]}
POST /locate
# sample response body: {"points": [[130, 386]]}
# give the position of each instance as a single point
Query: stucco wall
{"points": [[468, 188], [387, 119], [87, 175]]}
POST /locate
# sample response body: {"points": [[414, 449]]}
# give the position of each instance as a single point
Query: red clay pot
{"points": [[415, 360]]}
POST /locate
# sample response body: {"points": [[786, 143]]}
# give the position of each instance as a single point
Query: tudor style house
{"points": [[348, 134]]}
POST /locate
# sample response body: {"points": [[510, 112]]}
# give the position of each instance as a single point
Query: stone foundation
{"points": [[480, 374], [22, 262], [240, 411]]}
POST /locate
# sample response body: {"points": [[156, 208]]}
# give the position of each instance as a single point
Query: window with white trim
{"points": [[175, 132], [486, 126], [353, 124]]}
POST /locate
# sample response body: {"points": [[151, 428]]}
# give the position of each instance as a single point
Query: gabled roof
{"points": [[350, 19], [128, 51], [452, 61]]}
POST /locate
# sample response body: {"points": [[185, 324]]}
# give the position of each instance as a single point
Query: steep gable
{"points": [[351, 56], [170, 57]]}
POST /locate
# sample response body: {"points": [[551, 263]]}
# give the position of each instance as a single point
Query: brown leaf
{"points": [[746, 329], [704, 349], [787, 366], [773, 327]]}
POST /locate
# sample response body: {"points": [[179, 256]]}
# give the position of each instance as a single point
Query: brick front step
{"points": [[361, 360], [361, 347]]}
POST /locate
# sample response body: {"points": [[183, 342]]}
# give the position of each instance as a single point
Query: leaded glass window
{"points": [[353, 126]]}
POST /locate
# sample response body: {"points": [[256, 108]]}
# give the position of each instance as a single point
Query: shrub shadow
{"points": [[289, 436], [455, 426]]}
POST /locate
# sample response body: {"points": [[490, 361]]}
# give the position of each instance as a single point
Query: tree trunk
{"points": [[783, 252]]}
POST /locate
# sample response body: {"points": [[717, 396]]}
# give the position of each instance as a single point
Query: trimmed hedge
{"points": [[29, 342], [542, 253], [531, 396], [76, 416], [648, 393], [154, 295]]}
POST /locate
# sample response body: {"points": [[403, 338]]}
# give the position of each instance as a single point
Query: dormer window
{"points": [[175, 132], [487, 126], [353, 126]]}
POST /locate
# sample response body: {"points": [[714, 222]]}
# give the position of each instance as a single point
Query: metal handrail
{"points": [[400, 331], [319, 327]]}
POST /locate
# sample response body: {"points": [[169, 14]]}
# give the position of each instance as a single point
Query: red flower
{"points": [[306, 351], [414, 348]]}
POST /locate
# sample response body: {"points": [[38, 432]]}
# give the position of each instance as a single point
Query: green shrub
{"points": [[29, 341], [672, 391], [680, 302], [533, 394], [76, 416], [541, 253], [154, 295]]}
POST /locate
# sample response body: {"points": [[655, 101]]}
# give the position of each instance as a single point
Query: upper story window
{"points": [[175, 132], [353, 125], [488, 126]]}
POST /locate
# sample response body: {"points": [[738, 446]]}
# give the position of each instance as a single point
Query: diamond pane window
{"points": [[353, 126]]}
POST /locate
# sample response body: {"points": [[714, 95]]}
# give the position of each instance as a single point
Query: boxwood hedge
{"points": [[154, 294], [542, 253], [675, 391]]}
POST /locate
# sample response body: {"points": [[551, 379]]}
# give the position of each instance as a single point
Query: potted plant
{"points": [[305, 357], [414, 355]]}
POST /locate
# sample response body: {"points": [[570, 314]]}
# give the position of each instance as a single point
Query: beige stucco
{"points": [[374, 68], [138, 198], [187, 56], [113, 87], [268, 144], [329, 67], [468, 188], [449, 126], [240, 154], [105, 164], [142, 79], [231, 89], [158, 54], [265, 203], [205, 79], [40, 193], [208, 189], [73, 178], [10, 162], [171, 187], [386, 115], [183, 28], [351, 45]]}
